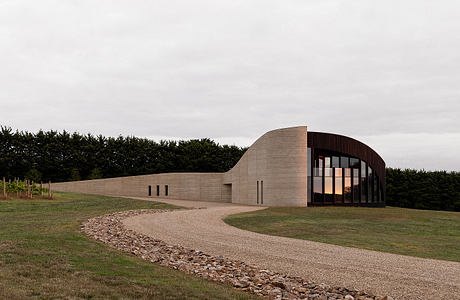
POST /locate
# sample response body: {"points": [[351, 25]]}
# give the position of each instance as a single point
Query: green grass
{"points": [[421, 233], [44, 255]]}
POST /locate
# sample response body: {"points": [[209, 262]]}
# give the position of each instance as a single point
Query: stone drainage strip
{"points": [[109, 229]]}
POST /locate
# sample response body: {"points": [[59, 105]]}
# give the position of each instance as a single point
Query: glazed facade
{"points": [[338, 179]]}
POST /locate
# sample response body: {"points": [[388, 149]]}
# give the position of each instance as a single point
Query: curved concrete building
{"points": [[284, 167]]}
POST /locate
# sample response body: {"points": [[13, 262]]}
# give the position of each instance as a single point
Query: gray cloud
{"points": [[384, 72]]}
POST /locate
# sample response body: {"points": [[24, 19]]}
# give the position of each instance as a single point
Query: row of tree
{"points": [[62, 156], [423, 190]]}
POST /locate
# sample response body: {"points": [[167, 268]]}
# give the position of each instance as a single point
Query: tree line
{"points": [[64, 156], [439, 190]]}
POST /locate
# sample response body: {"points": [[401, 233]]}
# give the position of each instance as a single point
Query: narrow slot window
{"points": [[166, 190], [257, 191], [150, 190], [158, 190], [262, 192]]}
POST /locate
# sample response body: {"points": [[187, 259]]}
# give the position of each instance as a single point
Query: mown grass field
{"points": [[44, 255], [421, 233]]}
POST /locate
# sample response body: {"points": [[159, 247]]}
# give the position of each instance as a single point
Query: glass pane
{"points": [[327, 162], [370, 185], [319, 163], [318, 172], [354, 163], [328, 185], [347, 172], [335, 162], [318, 185], [328, 196], [363, 190], [344, 163], [363, 169], [347, 190], [376, 188], [356, 191], [338, 185], [338, 172], [363, 182]]}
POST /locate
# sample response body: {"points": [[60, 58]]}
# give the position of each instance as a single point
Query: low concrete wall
{"points": [[187, 186], [278, 159]]}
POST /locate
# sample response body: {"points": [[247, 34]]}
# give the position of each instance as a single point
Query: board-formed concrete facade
{"points": [[274, 171]]}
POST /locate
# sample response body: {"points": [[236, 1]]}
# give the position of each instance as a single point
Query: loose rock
{"points": [[109, 229]]}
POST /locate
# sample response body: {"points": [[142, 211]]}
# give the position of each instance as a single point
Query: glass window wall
{"points": [[336, 178]]}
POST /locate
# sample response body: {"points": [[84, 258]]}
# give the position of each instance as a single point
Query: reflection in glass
{"points": [[344, 163], [347, 189], [318, 185], [328, 182], [363, 182], [318, 180], [338, 185], [370, 180], [327, 162], [356, 192], [354, 163], [341, 179], [328, 192], [335, 162]]}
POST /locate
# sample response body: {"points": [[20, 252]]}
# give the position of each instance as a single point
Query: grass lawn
{"points": [[422, 233], [44, 255]]}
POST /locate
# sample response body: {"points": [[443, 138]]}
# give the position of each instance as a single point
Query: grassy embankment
{"points": [[44, 255], [421, 233]]}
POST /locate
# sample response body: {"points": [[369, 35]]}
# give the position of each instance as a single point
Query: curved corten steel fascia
{"points": [[349, 146]]}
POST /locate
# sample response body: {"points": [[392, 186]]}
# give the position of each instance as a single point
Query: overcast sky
{"points": [[384, 72]]}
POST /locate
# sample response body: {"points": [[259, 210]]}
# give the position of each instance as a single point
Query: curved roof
{"points": [[349, 146]]}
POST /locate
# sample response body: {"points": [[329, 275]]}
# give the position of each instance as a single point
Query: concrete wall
{"points": [[278, 158], [190, 186]]}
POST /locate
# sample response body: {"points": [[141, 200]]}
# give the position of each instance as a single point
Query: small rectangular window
{"points": [[166, 190], [158, 190], [150, 190]]}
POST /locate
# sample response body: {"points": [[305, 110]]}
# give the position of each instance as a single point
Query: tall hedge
{"points": [[63, 156], [438, 190]]}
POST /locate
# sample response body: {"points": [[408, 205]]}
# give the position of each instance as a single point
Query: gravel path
{"points": [[402, 277]]}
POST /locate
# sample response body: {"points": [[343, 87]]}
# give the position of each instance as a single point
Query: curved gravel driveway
{"points": [[402, 277]]}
